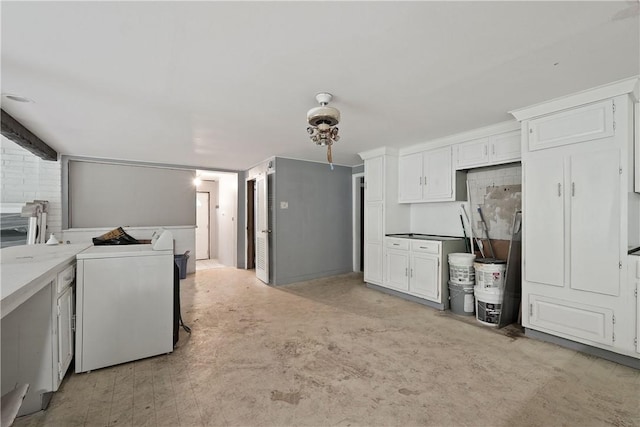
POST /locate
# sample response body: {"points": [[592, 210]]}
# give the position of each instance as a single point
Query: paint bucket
{"points": [[490, 273], [461, 298], [461, 268], [488, 305]]}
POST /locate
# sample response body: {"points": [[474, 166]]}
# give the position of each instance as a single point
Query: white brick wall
{"points": [[25, 177]]}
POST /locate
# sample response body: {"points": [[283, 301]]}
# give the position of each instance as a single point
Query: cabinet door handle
{"points": [[573, 189], [420, 180], [559, 189], [396, 244], [406, 271], [412, 272], [493, 149], [425, 181]]}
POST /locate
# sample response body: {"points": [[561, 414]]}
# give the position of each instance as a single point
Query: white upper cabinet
{"points": [[593, 121], [438, 172], [491, 150], [374, 179], [505, 147], [472, 153], [428, 176], [411, 178]]}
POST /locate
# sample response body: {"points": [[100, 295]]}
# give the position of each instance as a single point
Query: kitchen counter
{"points": [[24, 268], [419, 236]]}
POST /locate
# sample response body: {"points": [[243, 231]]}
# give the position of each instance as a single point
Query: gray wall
{"points": [[357, 169], [312, 236], [111, 195]]}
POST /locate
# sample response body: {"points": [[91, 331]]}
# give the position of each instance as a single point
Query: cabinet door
{"points": [[373, 223], [586, 123], [65, 332], [373, 258], [410, 178], [472, 153], [374, 179], [505, 147], [397, 270], [425, 277], [595, 222], [373, 242], [438, 171], [544, 203]]}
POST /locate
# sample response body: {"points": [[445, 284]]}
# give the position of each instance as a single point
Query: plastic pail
{"points": [[488, 305], [461, 298], [461, 268], [490, 273]]}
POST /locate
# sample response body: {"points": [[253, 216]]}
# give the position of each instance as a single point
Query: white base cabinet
{"points": [[579, 217], [37, 340], [419, 267]]}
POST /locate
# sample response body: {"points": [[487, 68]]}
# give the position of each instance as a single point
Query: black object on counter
{"points": [[115, 237]]}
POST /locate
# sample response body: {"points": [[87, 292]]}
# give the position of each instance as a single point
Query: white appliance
{"points": [[124, 303]]}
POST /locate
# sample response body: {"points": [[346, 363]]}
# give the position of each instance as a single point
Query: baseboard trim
{"points": [[406, 296], [622, 359]]}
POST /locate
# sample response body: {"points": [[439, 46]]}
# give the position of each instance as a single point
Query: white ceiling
{"points": [[227, 84]]}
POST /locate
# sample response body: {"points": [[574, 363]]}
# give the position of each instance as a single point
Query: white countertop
{"points": [[23, 270]]}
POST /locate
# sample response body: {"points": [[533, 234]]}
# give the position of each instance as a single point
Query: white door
{"points": [[374, 179], [202, 225], [544, 202], [595, 222], [425, 273], [373, 231], [262, 230], [65, 333], [397, 270], [410, 176], [437, 174]]}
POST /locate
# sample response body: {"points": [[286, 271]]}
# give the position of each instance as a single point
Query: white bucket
{"points": [[461, 268], [490, 273], [461, 298], [488, 305]]}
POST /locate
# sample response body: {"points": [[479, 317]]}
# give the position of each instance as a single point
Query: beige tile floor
{"points": [[331, 352], [207, 264]]}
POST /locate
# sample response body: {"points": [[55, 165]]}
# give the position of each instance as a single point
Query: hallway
{"points": [[332, 352]]}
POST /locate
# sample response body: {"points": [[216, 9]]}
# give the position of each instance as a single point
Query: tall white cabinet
{"points": [[382, 212], [578, 214]]}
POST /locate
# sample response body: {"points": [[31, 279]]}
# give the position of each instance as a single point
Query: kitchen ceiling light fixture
{"points": [[322, 124]]}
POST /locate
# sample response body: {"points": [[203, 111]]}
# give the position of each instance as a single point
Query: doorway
{"points": [[251, 226], [203, 242]]}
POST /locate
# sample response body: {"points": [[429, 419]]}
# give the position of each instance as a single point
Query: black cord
{"points": [[185, 327]]}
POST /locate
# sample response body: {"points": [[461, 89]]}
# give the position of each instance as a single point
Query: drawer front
{"points": [[66, 277], [426, 246], [571, 318], [394, 243]]}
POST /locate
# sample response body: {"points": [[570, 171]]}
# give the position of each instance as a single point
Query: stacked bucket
{"points": [[461, 283], [489, 290]]}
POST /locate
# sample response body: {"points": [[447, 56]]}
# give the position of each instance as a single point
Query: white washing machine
{"points": [[124, 303]]}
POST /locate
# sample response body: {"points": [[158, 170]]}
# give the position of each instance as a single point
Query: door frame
{"points": [[208, 193], [250, 229], [356, 214]]}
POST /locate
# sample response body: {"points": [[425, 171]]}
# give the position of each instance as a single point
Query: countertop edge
{"points": [[25, 291]]}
